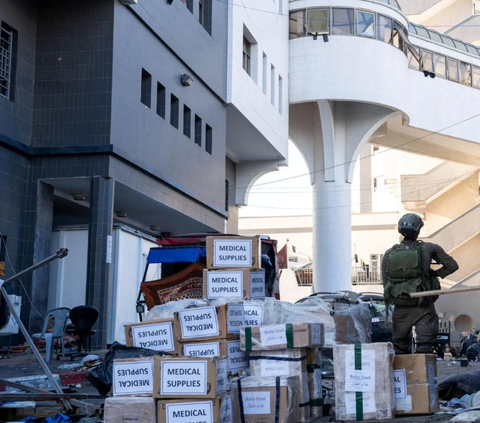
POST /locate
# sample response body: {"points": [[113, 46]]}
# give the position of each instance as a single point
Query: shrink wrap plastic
{"points": [[128, 409]]}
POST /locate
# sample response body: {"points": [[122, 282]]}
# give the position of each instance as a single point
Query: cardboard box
{"points": [[233, 252], [246, 313], [315, 389], [178, 377], [260, 400], [279, 337], [257, 284], [285, 363], [237, 359], [415, 388], [364, 386], [218, 410], [133, 377], [234, 284], [158, 335], [128, 410], [353, 325], [201, 324]]}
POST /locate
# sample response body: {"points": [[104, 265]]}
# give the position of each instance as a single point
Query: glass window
{"points": [[342, 21], [318, 21], [422, 31], [439, 66], [366, 24], [465, 74], [384, 28], [297, 26], [427, 59], [475, 77], [247, 48], [435, 36], [413, 63], [6, 57], [460, 45], [452, 69], [447, 41], [412, 28], [472, 49]]}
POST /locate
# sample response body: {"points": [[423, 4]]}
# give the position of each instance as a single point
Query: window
{"points": [[366, 24], [475, 77], [465, 74], [280, 94], [201, 11], [427, 59], [174, 106], [413, 63], [342, 21], [297, 24], [264, 76], [460, 45], [161, 100], [227, 189], [208, 139], [272, 85], [187, 121], [190, 5], [384, 28], [439, 66], [452, 69], [198, 131], [146, 94], [448, 41], [318, 21], [247, 49], [7, 65], [476, 7], [435, 36]]}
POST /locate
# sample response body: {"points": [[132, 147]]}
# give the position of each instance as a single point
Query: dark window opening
{"points": [[8, 54], [190, 5], [161, 100], [342, 21], [208, 139], [187, 121], [146, 95], [3, 248], [227, 189], [174, 106], [198, 131], [205, 14], [247, 48]]}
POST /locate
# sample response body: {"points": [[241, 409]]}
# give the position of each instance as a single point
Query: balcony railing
{"points": [[367, 275], [304, 277]]}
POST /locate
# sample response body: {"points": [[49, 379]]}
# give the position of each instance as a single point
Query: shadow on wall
{"points": [[289, 289]]}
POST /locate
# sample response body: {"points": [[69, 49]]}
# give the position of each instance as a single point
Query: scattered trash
{"points": [[469, 416], [59, 418], [458, 385], [70, 366]]}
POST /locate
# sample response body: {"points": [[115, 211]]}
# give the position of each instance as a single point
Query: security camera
{"points": [[186, 80]]}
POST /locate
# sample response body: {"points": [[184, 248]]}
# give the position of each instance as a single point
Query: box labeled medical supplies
{"points": [[205, 349], [218, 410], [237, 359], [265, 399], [158, 335], [246, 313], [133, 377], [231, 252], [284, 363], [364, 385], [278, 337], [415, 387], [257, 284], [177, 377], [201, 324], [132, 409], [232, 284]]}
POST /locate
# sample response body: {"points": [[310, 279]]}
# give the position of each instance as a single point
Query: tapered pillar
{"points": [[98, 267]]}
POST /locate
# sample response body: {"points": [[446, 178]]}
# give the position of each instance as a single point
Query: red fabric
{"points": [[283, 258]]}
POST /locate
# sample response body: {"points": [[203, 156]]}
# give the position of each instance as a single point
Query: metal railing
{"points": [[304, 277], [366, 275]]}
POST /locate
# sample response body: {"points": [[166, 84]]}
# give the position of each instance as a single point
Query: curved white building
{"points": [[360, 71]]}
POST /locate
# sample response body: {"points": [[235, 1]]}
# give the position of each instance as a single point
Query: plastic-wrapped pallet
{"points": [[353, 324], [315, 389], [129, 409], [284, 363], [265, 399], [364, 384]]}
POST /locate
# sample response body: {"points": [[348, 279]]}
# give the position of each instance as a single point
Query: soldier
{"points": [[406, 269]]}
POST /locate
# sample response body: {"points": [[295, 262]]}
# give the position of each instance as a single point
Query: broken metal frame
{"points": [[61, 253]]}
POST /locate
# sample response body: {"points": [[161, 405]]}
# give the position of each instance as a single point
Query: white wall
{"points": [[268, 25]]}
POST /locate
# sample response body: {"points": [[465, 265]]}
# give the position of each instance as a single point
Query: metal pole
{"points": [[59, 254]]}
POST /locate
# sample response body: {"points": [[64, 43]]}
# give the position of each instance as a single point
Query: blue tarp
{"points": [[176, 255]]}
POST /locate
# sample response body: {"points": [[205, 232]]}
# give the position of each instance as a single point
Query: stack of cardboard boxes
{"points": [[278, 373], [192, 384]]}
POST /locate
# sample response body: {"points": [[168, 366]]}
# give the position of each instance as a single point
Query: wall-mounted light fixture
{"points": [[121, 213], [154, 228], [78, 197], [169, 1], [127, 2], [428, 73], [186, 80]]}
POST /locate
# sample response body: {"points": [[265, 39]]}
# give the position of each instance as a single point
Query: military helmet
{"points": [[410, 223]]}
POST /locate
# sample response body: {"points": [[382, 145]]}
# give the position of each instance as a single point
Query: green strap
{"points": [[358, 395], [248, 338], [317, 402], [289, 332]]}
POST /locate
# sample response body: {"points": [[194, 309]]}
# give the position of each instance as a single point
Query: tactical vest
{"points": [[404, 274]]}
